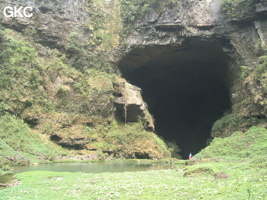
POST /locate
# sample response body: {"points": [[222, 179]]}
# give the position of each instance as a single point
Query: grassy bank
{"points": [[240, 145], [64, 97], [19, 145], [199, 181], [230, 168]]}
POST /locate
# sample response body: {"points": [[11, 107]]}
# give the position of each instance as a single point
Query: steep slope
{"points": [[89, 74], [197, 62], [58, 78]]}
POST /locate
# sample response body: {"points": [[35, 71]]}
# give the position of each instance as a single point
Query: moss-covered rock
{"points": [[237, 146]]}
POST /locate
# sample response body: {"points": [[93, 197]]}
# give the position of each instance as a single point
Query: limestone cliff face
{"points": [[72, 41], [53, 20], [199, 19], [194, 35], [226, 43]]}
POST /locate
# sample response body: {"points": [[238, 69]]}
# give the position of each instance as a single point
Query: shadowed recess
{"points": [[186, 87]]}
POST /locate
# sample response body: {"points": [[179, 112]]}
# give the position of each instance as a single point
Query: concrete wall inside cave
{"points": [[186, 87]]}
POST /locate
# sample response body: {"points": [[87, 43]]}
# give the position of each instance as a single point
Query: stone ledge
{"points": [[169, 27]]}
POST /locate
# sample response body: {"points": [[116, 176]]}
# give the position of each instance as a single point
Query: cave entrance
{"points": [[186, 87]]}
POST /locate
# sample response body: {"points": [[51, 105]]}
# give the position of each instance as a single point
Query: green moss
{"points": [[239, 145], [132, 11], [19, 145], [250, 89], [230, 123], [44, 86], [20, 79], [41, 84], [238, 9], [131, 141], [221, 125]]}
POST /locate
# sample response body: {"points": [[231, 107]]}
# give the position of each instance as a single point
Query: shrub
{"points": [[250, 144], [131, 141], [237, 8], [19, 144]]}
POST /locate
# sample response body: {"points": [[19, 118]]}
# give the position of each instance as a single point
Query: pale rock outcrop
{"points": [[131, 106]]}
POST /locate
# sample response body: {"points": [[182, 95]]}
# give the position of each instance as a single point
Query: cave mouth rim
{"points": [[222, 70]]}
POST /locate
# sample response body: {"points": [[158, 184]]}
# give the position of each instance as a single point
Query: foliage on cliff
{"points": [[237, 9], [231, 122], [67, 95], [135, 9], [251, 89], [131, 141], [19, 145], [31, 83], [249, 98], [90, 46], [249, 144], [132, 11]]}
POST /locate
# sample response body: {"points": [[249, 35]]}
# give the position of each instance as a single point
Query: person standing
{"points": [[190, 156]]}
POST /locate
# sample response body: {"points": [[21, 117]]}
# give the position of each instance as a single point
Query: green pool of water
{"points": [[91, 167]]}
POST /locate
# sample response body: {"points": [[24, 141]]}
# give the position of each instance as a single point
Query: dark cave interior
{"points": [[186, 87]]}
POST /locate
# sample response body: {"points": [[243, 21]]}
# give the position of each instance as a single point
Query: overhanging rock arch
{"points": [[186, 86]]}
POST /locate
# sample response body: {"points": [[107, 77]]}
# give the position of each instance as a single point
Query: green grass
{"points": [[130, 141], [241, 158], [19, 145], [192, 182], [239, 145]]}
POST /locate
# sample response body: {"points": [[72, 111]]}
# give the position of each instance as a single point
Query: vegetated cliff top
{"points": [[243, 9]]}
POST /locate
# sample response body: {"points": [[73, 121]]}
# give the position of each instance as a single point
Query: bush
{"points": [[132, 9], [230, 123], [81, 54], [237, 8], [131, 141], [20, 75], [19, 144], [239, 145], [225, 126]]}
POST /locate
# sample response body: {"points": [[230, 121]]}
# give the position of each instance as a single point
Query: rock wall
{"points": [[172, 25], [53, 20], [130, 106], [185, 26], [198, 26], [71, 41]]}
